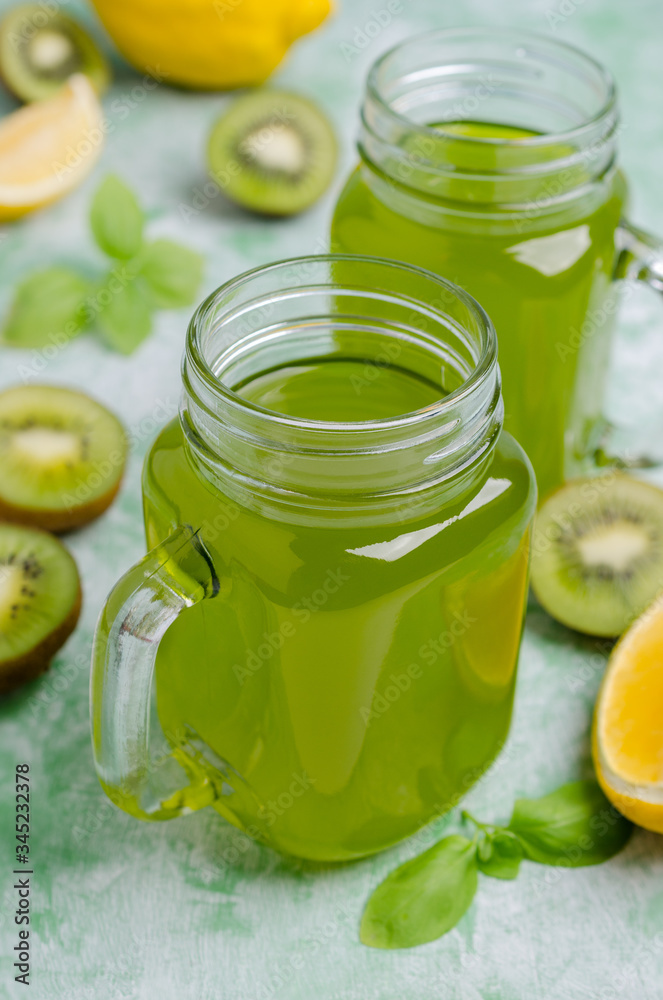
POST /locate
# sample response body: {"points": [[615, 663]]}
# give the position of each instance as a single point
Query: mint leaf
{"points": [[499, 855], [172, 272], [573, 826], [424, 898], [48, 308], [116, 219], [126, 320]]}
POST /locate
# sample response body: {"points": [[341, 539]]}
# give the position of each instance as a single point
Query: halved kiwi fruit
{"points": [[273, 152], [597, 556], [40, 49], [40, 601], [62, 456]]}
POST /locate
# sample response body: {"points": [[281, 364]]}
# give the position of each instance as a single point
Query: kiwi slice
{"points": [[62, 456], [40, 49], [273, 152], [597, 556], [40, 601]]}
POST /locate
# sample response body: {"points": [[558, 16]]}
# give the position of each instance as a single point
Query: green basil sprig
{"points": [[116, 219], [424, 898], [499, 854], [46, 302], [573, 826], [57, 304]]}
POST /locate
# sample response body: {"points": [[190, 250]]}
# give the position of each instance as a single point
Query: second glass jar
{"points": [[489, 157]]}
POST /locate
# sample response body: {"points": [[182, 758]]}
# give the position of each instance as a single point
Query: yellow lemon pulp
{"points": [[628, 726], [208, 44], [48, 147]]}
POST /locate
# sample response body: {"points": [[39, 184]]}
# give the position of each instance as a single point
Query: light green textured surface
{"points": [[191, 909]]}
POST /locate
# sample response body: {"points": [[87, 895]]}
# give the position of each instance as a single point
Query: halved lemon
{"points": [[627, 742], [47, 148]]}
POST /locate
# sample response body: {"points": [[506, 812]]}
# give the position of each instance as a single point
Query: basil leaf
{"points": [[500, 854], [116, 219], [573, 826], [48, 308], [424, 898], [172, 273], [126, 320]]}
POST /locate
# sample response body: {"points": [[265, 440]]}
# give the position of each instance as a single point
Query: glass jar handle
{"points": [[175, 575], [639, 258]]}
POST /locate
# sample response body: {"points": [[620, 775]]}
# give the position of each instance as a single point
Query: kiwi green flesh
{"points": [[40, 601], [597, 559], [273, 152], [62, 456], [40, 50]]}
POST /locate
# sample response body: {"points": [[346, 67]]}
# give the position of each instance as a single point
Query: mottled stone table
{"points": [[190, 909]]}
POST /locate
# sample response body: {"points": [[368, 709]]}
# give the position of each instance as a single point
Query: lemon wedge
{"points": [[47, 148], [627, 741]]}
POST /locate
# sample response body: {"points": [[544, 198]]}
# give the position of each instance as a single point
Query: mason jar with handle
{"points": [[490, 156], [322, 641]]}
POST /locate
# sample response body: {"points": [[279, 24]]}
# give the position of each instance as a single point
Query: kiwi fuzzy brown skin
{"points": [[59, 521], [26, 668]]}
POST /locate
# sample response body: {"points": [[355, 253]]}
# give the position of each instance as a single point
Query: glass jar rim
{"points": [[365, 309], [195, 356], [575, 133]]}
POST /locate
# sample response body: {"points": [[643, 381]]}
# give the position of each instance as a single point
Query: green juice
{"points": [[350, 681], [542, 277]]}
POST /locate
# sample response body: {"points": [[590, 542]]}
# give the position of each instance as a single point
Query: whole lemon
{"points": [[208, 44]]}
